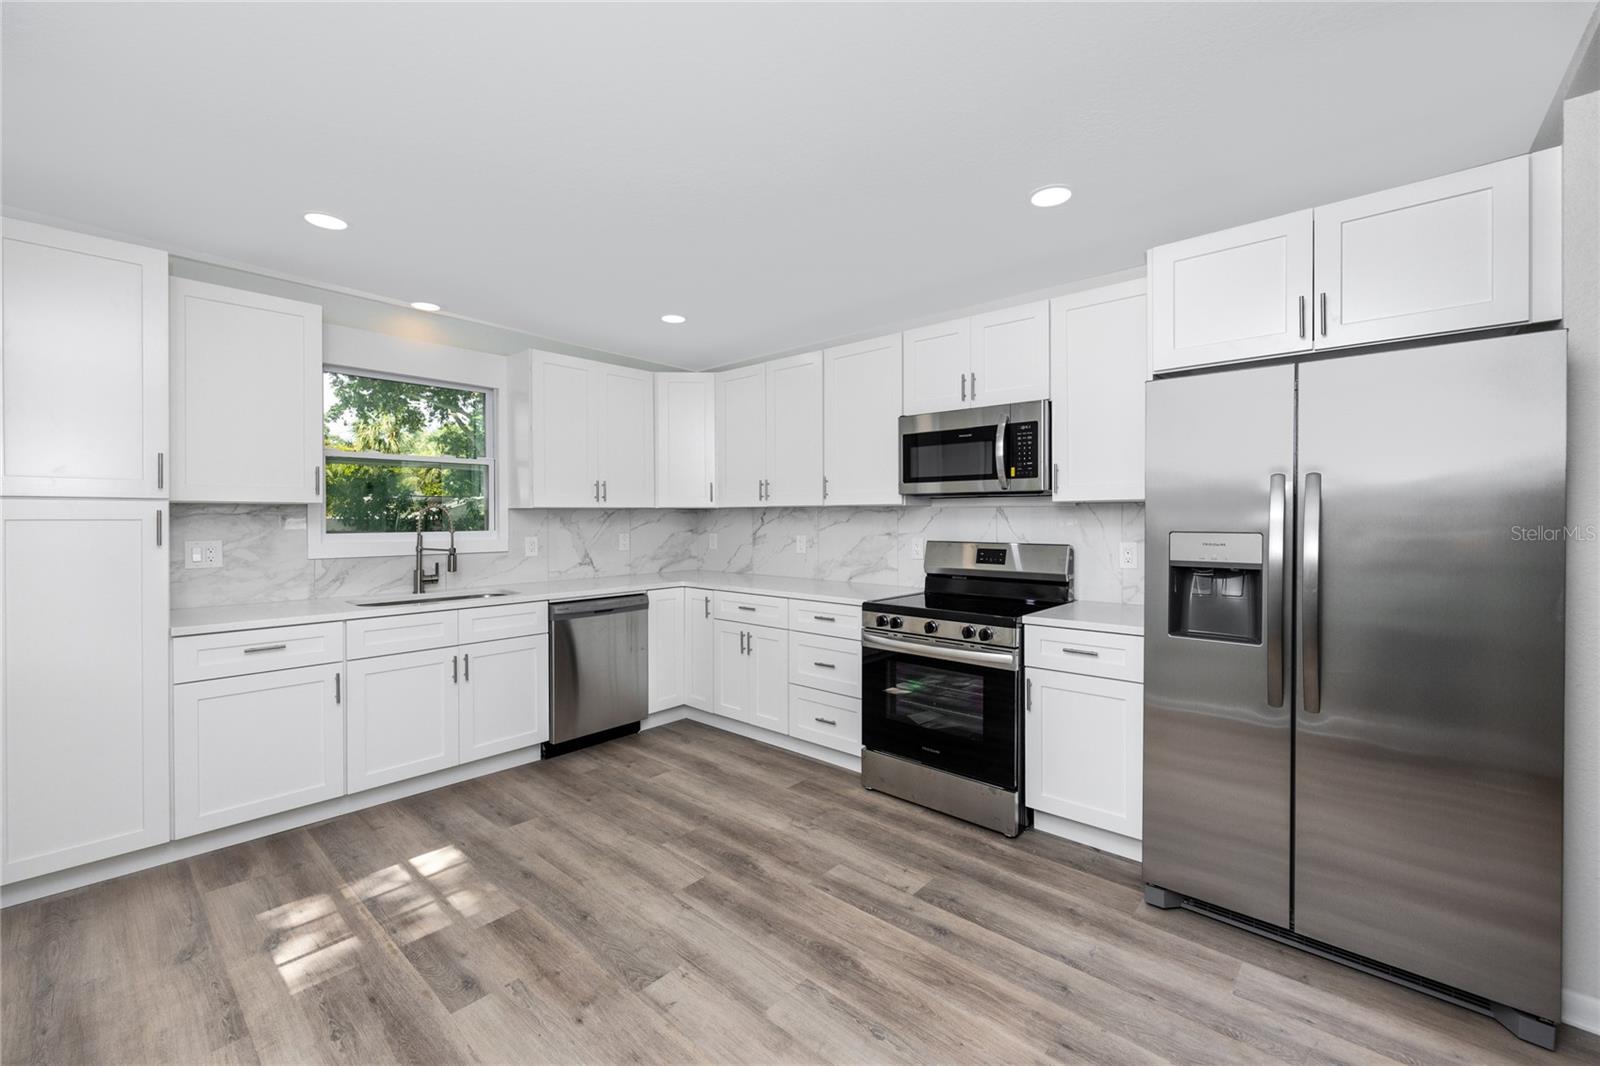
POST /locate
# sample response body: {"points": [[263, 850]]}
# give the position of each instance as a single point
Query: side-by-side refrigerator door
{"points": [[1428, 753], [1217, 742]]}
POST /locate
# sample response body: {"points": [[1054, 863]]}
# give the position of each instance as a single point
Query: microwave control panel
{"points": [[1022, 450]]}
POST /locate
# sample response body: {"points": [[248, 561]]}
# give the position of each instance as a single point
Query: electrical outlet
{"points": [[297, 521], [202, 554], [800, 543], [530, 546], [622, 542], [713, 545], [1130, 555], [917, 544]]}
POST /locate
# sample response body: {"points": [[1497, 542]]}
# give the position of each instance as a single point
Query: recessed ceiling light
{"points": [[424, 305], [674, 320], [318, 219], [1050, 196]]}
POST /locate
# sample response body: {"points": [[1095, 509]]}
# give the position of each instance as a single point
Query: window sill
{"points": [[321, 545]]}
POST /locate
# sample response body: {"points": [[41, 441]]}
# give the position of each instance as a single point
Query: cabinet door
{"points": [[505, 695], [565, 468], [403, 716], [85, 682], [741, 436], [699, 634], [794, 431], [1100, 362], [734, 690], [861, 423], [1011, 355], [666, 649], [686, 440], [769, 686], [246, 747], [84, 365], [624, 436], [1244, 293], [1434, 257], [937, 361], [246, 396], [1084, 750]]}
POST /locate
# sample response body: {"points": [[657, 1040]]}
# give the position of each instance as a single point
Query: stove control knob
{"points": [[985, 633], [930, 627], [968, 632], [895, 622], [882, 620]]}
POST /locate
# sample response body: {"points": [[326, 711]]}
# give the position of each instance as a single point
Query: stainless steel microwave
{"points": [[977, 451]]}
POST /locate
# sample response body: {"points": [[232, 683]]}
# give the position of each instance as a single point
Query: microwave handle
{"points": [[1000, 453]]}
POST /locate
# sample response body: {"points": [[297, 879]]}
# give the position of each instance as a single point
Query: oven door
{"points": [[950, 707]]}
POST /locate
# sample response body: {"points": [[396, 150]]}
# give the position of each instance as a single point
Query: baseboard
{"points": [[120, 865], [1094, 837], [657, 718], [1580, 1011], [779, 740]]}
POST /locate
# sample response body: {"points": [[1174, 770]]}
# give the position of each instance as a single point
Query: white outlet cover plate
{"points": [[800, 543], [202, 554], [1130, 554], [623, 540], [713, 542], [530, 546]]}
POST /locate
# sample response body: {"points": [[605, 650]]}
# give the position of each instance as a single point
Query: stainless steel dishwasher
{"points": [[599, 670]]}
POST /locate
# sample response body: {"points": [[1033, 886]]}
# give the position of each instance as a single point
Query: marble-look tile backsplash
{"points": [[264, 559]]}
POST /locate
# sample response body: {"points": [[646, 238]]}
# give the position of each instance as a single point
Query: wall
{"points": [[264, 547]]}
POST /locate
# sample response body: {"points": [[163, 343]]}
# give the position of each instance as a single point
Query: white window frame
{"points": [[361, 352]]}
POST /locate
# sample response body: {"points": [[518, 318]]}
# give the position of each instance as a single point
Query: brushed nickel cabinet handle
{"points": [[466, 666], [1302, 317], [455, 669], [316, 481], [161, 470], [744, 607], [825, 666], [825, 721], [158, 526], [974, 385], [963, 388], [824, 618], [1324, 314], [1081, 651], [265, 647], [336, 687], [1030, 695]]}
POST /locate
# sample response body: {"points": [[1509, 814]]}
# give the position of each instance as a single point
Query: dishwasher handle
{"points": [[608, 605]]}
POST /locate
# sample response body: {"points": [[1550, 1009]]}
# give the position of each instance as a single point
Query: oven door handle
{"points": [[1002, 660]]}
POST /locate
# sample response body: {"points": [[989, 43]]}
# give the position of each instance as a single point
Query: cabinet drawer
{"points": [[825, 718], [366, 637], [251, 651], [1084, 651], [828, 663], [247, 747], [503, 620], [755, 610], [825, 619]]}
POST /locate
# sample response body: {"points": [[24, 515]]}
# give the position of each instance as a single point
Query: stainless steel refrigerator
{"points": [[1354, 661]]}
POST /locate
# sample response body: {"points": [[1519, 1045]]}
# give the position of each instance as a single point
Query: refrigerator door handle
{"points": [[1277, 532], [1311, 597]]}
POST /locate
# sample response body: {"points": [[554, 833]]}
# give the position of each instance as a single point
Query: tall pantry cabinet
{"points": [[84, 475]]}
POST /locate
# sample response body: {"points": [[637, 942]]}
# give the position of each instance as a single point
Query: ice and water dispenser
{"points": [[1214, 581]]}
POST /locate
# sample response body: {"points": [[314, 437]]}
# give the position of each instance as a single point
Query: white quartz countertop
{"points": [[189, 621], [1104, 617]]}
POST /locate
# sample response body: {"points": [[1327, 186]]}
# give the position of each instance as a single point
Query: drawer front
{"points": [[825, 718], [754, 610], [366, 637], [502, 620], [825, 619], [252, 651], [828, 663], [1084, 651]]}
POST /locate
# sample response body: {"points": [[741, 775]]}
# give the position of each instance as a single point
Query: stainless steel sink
{"points": [[431, 597]]}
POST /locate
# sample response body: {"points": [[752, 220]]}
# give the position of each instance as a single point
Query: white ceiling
{"points": [[784, 175]]}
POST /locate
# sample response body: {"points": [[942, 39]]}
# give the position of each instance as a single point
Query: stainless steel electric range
{"points": [[942, 683]]}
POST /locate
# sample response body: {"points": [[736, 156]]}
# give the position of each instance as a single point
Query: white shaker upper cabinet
{"points": [[84, 372], [1100, 362], [686, 440], [861, 422], [1438, 256], [624, 436], [1010, 355], [565, 467], [85, 682], [1243, 293], [742, 436], [938, 362], [794, 431], [246, 396]]}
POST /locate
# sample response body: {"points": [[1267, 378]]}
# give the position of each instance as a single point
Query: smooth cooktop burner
{"points": [[975, 609]]}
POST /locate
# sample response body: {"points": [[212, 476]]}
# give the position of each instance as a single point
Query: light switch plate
{"points": [[530, 546], [202, 554], [296, 521], [623, 541], [800, 543], [1130, 554]]}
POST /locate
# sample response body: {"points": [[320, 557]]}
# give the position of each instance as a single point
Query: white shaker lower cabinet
{"points": [[666, 654], [825, 718], [1083, 748], [752, 675], [699, 650], [246, 747], [85, 682], [403, 717], [505, 695]]}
